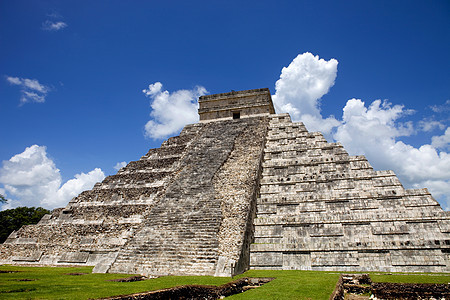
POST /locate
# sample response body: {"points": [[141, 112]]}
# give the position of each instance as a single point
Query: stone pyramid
{"points": [[243, 188]]}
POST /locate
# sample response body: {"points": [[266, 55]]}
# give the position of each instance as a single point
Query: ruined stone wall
{"points": [[246, 103], [259, 192], [202, 215], [236, 186], [186, 208], [321, 209], [95, 225]]}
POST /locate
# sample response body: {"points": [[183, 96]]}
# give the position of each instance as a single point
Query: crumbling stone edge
{"points": [[198, 291], [361, 283], [338, 292]]}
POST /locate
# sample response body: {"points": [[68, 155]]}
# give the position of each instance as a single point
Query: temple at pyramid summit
{"points": [[244, 188]]}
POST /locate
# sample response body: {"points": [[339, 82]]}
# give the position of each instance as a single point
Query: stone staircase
{"points": [[226, 194], [186, 208], [96, 224], [321, 209], [181, 233]]}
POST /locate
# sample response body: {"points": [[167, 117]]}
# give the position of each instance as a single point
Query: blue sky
{"points": [[72, 75]]}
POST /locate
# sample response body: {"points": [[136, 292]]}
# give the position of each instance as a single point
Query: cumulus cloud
{"points": [[31, 178], [374, 130], [429, 124], [31, 89], [120, 165], [73, 187], [171, 111], [49, 25], [300, 87], [443, 141], [370, 125]]}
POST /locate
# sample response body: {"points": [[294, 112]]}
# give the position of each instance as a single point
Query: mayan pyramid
{"points": [[243, 188]]}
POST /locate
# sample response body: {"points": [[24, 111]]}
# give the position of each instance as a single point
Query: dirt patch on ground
{"points": [[22, 290], [387, 290], [206, 292], [130, 279], [9, 272], [75, 274], [360, 286]]}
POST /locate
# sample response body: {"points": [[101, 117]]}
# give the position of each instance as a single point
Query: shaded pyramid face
{"points": [[321, 209], [244, 188]]}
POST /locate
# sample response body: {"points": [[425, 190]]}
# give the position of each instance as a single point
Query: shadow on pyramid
{"points": [[244, 188]]}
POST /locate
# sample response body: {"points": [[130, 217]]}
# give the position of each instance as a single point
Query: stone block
{"points": [[444, 226], [266, 259], [74, 257], [22, 240], [297, 261], [33, 256]]}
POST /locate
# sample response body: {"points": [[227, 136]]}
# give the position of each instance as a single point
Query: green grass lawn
{"points": [[410, 277], [53, 283], [291, 285]]}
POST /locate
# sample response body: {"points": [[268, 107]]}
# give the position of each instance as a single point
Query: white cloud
{"points": [[300, 87], [443, 141], [171, 111], [440, 189], [27, 96], [32, 179], [73, 187], [33, 84], [53, 26], [441, 108], [29, 84], [32, 90], [373, 131], [370, 125], [428, 125], [120, 165], [14, 80]]}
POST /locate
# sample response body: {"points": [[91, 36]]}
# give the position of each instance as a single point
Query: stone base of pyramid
{"points": [[244, 188]]}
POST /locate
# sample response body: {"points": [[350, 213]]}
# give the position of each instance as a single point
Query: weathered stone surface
{"points": [[321, 209], [227, 194], [205, 211], [97, 223], [234, 105]]}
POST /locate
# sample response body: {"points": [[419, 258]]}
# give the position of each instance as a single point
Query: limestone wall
{"points": [[245, 103], [236, 186], [198, 225], [186, 208], [321, 209], [95, 225], [259, 192]]}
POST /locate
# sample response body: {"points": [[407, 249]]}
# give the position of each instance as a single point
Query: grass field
{"points": [[410, 278], [54, 283]]}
